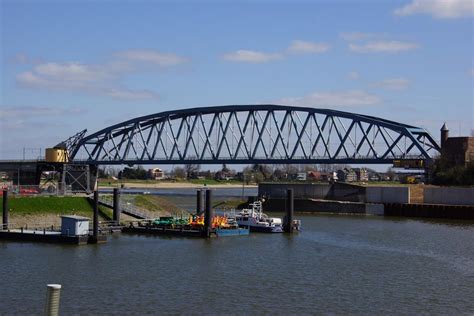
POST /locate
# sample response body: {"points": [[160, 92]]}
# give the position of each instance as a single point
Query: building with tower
{"points": [[456, 151]]}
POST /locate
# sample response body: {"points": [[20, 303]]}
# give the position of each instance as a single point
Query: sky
{"points": [[71, 65]]}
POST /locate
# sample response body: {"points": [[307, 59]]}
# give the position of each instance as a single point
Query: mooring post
{"points": [[289, 211], [95, 223], [208, 214], [199, 200], [5, 210], [52, 300], [117, 210]]}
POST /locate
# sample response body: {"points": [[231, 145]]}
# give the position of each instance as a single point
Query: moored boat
{"points": [[257, 221]]}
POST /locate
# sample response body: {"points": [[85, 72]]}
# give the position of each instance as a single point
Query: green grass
{"points": [[49, 205], [155, 203], [230, 204]]}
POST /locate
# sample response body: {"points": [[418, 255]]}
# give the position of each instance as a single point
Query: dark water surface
{"points": [[337, 264]]}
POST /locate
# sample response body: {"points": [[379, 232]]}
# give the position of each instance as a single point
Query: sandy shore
{"points": [[171, 185]]}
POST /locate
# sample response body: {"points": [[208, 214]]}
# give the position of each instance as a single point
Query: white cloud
{"points": [[153, 57], [442, 9], [86, 78], [350, 98], [382, 47], [128, 94], [392, 84], [249, 56], [98, 79], [303, 47], [472, 72], [353, 75], [28, 111], [356, 36]]}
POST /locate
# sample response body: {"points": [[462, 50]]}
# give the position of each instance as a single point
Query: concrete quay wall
{"points": [[445, 211], [449, 196], [327, 191], [387, 194]]}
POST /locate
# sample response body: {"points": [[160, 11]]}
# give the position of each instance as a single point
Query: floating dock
{"points": [[184, 231], [49, 237]]}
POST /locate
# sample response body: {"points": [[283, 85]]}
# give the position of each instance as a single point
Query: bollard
{"points": [[288, 227], [52, 300], [199, 200], [95, 223], [208, 214], [5, 210], [117, 210]]}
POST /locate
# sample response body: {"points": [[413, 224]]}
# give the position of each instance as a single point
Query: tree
{"points": [[134, 173], [192, 170], [179, 172]]}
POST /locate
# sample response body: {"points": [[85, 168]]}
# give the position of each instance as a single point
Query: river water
{"points": [[336, 265]]}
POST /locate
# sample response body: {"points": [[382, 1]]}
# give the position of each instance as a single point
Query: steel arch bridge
{"points": [[248, 134]]}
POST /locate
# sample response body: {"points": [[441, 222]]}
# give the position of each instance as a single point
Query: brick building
{"points": [[457, 151]]}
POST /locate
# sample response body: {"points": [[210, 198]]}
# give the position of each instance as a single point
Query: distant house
{"points": [[322, 176], [362, 174], [346, 175], [374, 176], [156, 174], [315, 175], [225, 175], [301, 176]]}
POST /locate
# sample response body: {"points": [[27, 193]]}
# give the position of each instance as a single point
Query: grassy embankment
{"points": [[156, 206], [42, 210], [230, 204]]}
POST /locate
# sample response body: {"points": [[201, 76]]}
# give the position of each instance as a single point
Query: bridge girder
{"points": [[246, 134]]}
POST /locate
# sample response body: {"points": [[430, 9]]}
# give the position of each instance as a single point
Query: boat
{"points": [[257, 221]]}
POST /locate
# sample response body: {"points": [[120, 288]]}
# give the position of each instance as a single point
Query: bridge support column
{"points": [[288, 224], [117, 210], [199, 201], [208, 214], [5, 210]]}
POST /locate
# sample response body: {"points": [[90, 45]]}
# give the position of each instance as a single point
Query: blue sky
{"points": [[70, 65]]}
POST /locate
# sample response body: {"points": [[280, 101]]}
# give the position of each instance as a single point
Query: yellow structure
{"points": [[56, 155]]}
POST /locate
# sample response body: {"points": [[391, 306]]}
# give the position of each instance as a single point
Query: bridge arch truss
{"points": [[246, 134]]}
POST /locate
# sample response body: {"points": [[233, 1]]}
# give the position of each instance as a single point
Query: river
{"points": [[336, 265]]}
